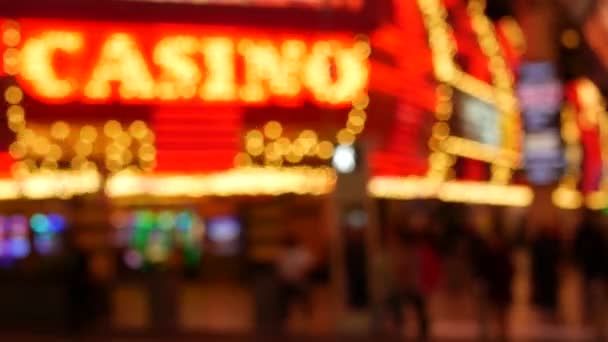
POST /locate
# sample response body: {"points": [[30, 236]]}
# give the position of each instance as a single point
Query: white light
{"points": [[344, 159], [357, 219], [223, 230]]}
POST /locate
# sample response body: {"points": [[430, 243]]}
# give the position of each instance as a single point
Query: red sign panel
{"points": [[154, 63]]}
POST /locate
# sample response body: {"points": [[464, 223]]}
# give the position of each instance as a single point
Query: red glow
{"points": [[590, 139], [86, 62], [5, 162], [190, 139]]}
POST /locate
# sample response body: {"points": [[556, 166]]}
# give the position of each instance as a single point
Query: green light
{"points": [[40, 224], [145, 220], [166, 220]]}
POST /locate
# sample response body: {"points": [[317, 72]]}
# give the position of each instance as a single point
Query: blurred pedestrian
{"points": [[356, 269], [416, 269], [591, 252], [545, 277], [295, 265], [78, 283], [496, 276]]}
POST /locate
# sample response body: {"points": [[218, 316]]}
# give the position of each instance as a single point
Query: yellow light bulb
{"points": [[294, 154], [11, 37], [273, 130], [345, 137], [15, 113], [308, 139], [112, 128], [11, 61], [147, 153], [123, 139], [114, 150], [55, 152], [41, 146], [27, 136], [271, 152], [282, 145], [441, 130], [16, 126], [254, 134], [13, 95], [325, 150], [17, 150], [138, 129], [83, 148], [88, 134], [60, 130], [254, 143]]}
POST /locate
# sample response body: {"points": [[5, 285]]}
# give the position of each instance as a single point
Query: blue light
{"points": [[19, 247], [40, 224], [57, 223], [184, 220]]}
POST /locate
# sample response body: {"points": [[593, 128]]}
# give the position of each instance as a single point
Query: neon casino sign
{"points": [[156, 63]]}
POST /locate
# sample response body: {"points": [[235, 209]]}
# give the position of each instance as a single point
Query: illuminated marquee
{"points": [[103, 63]]}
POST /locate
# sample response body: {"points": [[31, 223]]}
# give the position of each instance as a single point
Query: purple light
{"points": [[3, 225], [223, 229], [133, 259], [45, 244], [19, 225]]}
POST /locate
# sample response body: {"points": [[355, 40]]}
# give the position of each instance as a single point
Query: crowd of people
{"points": [[426, 251]]}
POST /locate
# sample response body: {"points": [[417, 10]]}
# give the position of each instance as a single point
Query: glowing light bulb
{"points": [[112, 128], [88, 134], [344, 159], [147, 153], [345, 137], [17, 150], [60, 130], [273, 130], [325, 150], [138, 129], [83, 148], [13, 95], [11, 36]]}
